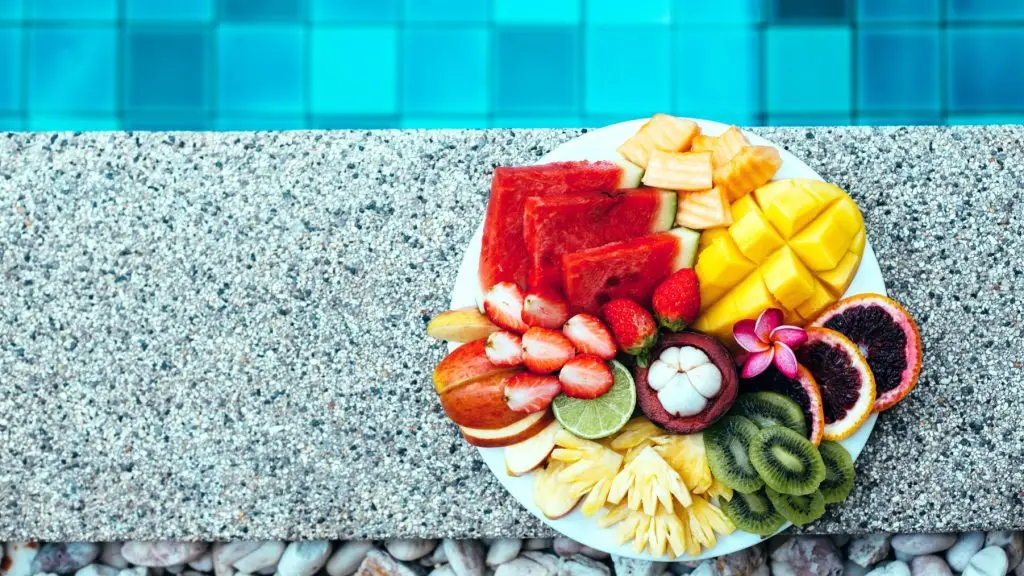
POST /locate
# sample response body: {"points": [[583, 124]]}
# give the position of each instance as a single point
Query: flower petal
{"points": [[792, 336], [785, 360], [757, 362], [769, 320], [743, 332]]}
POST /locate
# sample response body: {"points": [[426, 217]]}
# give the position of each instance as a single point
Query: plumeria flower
{"points": [[766, 341]]}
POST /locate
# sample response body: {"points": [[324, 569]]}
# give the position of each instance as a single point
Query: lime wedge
{"points": [[602, 416]]}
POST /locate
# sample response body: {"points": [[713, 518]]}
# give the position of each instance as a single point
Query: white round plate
{"points": [[600, 145]]}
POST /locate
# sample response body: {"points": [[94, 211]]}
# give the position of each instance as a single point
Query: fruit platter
{"points": [[670, 339]]}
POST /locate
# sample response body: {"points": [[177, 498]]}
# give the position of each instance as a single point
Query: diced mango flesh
{"points": [[787, 278], [754, 236]]}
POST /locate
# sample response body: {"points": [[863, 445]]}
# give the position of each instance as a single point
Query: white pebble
{"points": [[304, 558], [521, 566], [161, 554], [504, 550], [347, 558], [409, 549], [265, 556], [896, 568], [19, 557], [204, 563], [111, 555], [930, 565], [97, 570], [989, 561], [225, 554], [966, 546], [466, 557], [921, 544]]}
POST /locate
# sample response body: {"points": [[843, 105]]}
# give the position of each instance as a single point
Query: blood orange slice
{"points": [[844, 378], [803, 390], [886, 335]]}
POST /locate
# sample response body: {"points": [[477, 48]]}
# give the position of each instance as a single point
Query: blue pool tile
{"points": [[11, 10], [236, 122], [446, 10], [341, 84], [166, 68], [825, 12], [899, 10], [975, 119], [71, 69], [355, 11], [71, 122], [985, 10], [353, 122], [702, 90], [537, 122], [260, 68], [984, 70], [158, 121], [808, 120], [276, 11], [170, 10], [807, 70], [432, 122], [10, 68], [445, 70], [717, 11], [537, 71], [71, 10], [537, 11], [898, 69], [620, 13], [9, 123], [613, 57], [900, 119]]}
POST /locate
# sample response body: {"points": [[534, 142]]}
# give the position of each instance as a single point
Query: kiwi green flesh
{"points": [[799, 510], [753, 513], [727, 443], [838, 480], [786, 461], [771, 409]]}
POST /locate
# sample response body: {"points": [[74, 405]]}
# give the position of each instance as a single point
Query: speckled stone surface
{"points": [[222, 336]]}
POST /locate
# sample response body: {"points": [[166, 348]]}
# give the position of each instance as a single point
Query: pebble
{"points": [[904, 557], [304, 558], [990, 561], [504, 550], [633, 567], [408, 549], [265, 556], [595, 553], [869, 549], [204, 563], [443, 570], [466, 557], [347, 558], [549, 561], [580, 565], [225, 554], [64, 558], [538, 544], [97, 570], [136, 571], [851, 568], [807, 556], [522, 566], [567, 546], [110, 554], [897, 568], [380, 563], [1011, 542], [930, 565], [436, 558], [921, 544], [162, 554], [19, 557], [681, 568], [742, 563], [176, 569], [967, 545]]}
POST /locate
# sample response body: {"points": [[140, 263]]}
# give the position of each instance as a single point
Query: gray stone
{"points": [[869, 549], [136, 571], [929, 565], [807, 556], [966, 546], [264, 557], [851, 568], [435, 558], [580, 565], [97, 570], [989, 561], [204, 563], [503, 550], [1011, 542], [904, 556], [193, 573], [443, 570], [176, 568], [742, 563], [538, 544], [161, 554], [225, 554], [65, 558], [304, 558], [897, 568], [921, 544], [565, 546], [762, 571], [408, 549], [18, 558], [466, 557], [347, 558], [110, 554], [548, 561], [633, 567], [522, 566], [380, 563]]}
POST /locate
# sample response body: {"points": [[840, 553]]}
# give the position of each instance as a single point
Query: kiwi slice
{"points": [[786, 461], [753, 513], [838, 472], [771, 409], [727, 443], [799, 510]]}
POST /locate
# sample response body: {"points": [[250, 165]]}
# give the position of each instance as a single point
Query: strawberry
{"points": [[633, 327], [590, 336], [546, 309], [676, 300], [546, 350], [586, 376], [503, 304], [504, 348], [528, 392]]}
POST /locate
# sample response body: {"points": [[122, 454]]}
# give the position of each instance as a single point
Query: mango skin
{"points": [[795, 244]]}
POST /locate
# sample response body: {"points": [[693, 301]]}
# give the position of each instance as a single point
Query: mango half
{"points": [[794, 244]]}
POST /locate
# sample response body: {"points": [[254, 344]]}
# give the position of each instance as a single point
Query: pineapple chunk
{"points": [[685, 454], [722, 147], [748, 169], [703, 521], [636, 435], [648, 481], [661, 533], [719, 490], [661, 132], [554, 498], [590, 469], [703, 210], [687, 171]]}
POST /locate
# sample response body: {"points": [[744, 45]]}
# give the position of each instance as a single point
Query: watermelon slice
{"points": [[630, 269], [558, 225], [503, 255]]}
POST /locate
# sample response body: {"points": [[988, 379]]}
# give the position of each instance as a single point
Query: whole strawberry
{"points": [[676, 300], [633, 327]]}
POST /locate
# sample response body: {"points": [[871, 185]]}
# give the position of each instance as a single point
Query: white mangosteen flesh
{"points": [[685, 379]]}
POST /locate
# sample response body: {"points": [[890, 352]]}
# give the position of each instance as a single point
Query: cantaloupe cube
{"points": [[838, 279], [787, 278], [703, 210], [683, 171], [724, 146], [722, 264], [755, 237], [750, 168], [661, 132]]}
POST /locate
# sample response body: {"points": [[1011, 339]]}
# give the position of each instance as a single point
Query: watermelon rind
{"points": [[689, 240]]}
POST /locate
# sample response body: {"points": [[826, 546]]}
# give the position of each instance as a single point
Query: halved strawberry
{"points": [[504, 348], [586, 376], [503, 304], [546, 350], [590, 336], [544, 308], [526, 392]]}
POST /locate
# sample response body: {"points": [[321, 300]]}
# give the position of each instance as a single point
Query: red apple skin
{"points": [[515, 437], [480, 403], [464, 364]]}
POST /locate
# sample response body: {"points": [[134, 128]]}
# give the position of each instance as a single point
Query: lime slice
{"points": [[602, 416]]}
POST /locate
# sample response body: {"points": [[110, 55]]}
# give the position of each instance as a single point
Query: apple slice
{"points": [[518, 431], [461, 325], [554, 498], [527, 455]]}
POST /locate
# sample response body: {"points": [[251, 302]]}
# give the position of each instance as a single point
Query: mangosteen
{"points": [[690, 382]]}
